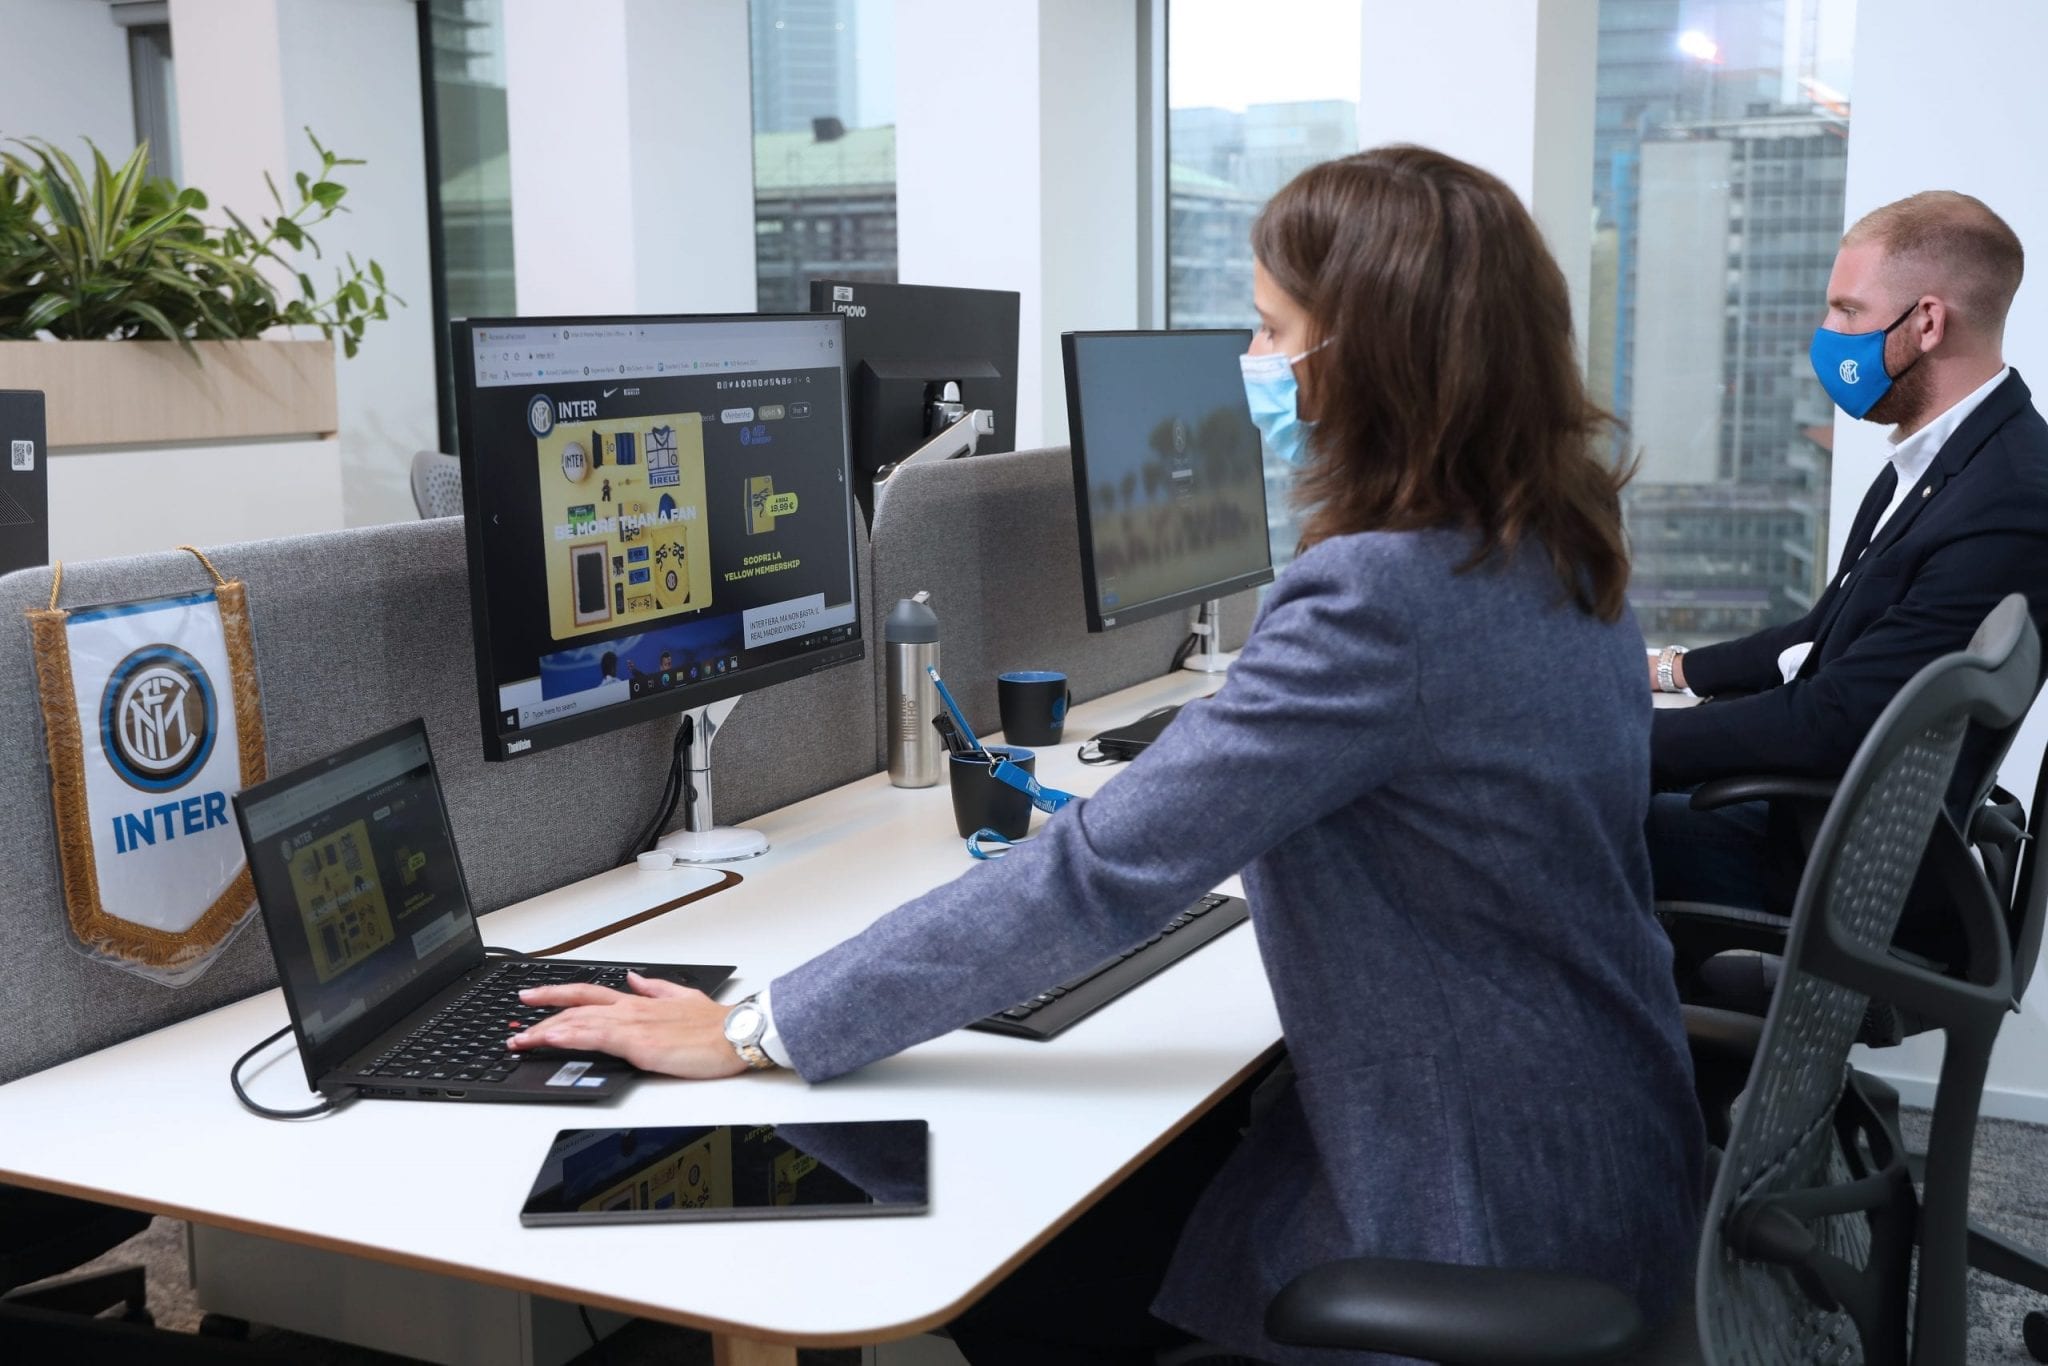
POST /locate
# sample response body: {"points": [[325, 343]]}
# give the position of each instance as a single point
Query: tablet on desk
{"points": [[732, 1171]]}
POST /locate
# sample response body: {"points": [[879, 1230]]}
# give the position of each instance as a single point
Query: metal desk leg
{"points": [[728, 1350]]}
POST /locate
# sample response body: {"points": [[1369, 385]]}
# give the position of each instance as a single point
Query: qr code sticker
{"points": [[22, 455]]}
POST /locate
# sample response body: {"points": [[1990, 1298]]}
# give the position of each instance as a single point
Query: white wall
{"points": [[353, 76], [252, 76], [66, 76], [1905, 135], [630, 124], [1017, 168]]}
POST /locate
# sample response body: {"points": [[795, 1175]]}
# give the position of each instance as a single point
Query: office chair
{"points": [[436, 484], [46, 1235], [1995, 860], [1807, 1247]]}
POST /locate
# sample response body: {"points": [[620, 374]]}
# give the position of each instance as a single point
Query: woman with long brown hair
{"points": [[1429, 763]]}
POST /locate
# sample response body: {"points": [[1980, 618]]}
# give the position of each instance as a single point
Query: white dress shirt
{"points": [[1911, 456]]}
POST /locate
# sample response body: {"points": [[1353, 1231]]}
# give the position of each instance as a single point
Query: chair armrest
{"points": [[1757, 787], [1725, 1034], [1457, 1315]]}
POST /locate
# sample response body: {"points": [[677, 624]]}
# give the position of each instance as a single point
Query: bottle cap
{"points": [[910, 623]]}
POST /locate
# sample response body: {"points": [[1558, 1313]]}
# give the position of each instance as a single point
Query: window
{"points": [[469, 172], [824, 145], [151, 83], [1251, 102], [1720, 140]]}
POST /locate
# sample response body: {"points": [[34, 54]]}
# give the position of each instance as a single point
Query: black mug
{"points": [[981, 801], [1034, 706]]}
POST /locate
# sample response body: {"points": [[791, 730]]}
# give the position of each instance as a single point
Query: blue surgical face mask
{"points": [[1275, 399], [1851, 365]]}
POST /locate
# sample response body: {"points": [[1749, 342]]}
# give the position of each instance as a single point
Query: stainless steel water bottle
{"points": [[911, 637]]}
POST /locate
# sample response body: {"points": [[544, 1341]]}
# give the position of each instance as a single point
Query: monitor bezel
{"points": [[499, 746], [1155, 607]]}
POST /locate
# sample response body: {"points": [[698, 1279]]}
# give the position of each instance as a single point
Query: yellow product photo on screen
{"points": [[341, 903], [696, 1176], [626, 535]]}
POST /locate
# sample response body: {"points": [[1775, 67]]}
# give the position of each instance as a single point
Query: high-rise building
{"points": [[803, 63], [1737, 224], [1209, 250], [1267, 145], [1226, 165], [1662, 62], [822, 207]]}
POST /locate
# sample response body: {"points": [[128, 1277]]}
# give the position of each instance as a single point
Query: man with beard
{"points": [[1957, 519]]}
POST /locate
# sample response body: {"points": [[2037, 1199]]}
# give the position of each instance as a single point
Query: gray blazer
{"points": [[1434, 784]]}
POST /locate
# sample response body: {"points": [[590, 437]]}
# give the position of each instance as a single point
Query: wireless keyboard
{"points": [[1049, 1012]]}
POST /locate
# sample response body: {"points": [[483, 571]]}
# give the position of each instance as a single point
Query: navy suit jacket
{"points": [[1451, 894], [1974, 530]]}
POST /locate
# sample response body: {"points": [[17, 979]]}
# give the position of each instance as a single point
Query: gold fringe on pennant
{"points": [[101, 933]]}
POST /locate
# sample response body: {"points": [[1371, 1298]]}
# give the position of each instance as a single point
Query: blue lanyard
{"points": [[1046, 799]]}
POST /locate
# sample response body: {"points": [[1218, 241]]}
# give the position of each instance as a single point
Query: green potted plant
{"points": [[167, 322]]}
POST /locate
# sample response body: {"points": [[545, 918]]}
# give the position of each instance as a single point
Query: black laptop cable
{"points": [[672, 794], [597, 1346], [326, 1105]]}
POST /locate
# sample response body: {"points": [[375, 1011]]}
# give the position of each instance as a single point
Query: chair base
{"points": [[2034, 1331], [90, 1296]]}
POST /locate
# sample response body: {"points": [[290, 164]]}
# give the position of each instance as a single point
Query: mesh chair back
{"points": [[436, 484], [2030, 893], [1810, 1228]]}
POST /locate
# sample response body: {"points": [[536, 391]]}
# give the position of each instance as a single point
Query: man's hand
{"points": [[661, 1027]]}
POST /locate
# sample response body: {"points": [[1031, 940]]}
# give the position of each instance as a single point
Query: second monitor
{"points": [[1169, 477], [905, 344]]}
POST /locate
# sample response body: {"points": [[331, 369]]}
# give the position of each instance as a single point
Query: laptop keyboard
{"points": [[465, 1040]]}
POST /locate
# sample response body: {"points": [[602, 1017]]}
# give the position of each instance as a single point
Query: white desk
{"points": [[1024, 1135]]}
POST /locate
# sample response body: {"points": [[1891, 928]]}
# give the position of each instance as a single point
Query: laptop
{"points": [[24, 481], [377, 947]]}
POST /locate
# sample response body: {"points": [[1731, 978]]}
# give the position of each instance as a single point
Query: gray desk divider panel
{"points": [[356, 631], [995, 539]]}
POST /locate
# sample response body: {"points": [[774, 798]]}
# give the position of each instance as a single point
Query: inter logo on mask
{"points": [[1849, 372]]}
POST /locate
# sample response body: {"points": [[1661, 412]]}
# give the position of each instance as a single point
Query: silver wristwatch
{"points": [[745, 1026], [1666, 657]]}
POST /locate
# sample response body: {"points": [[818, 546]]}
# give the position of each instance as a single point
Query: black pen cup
{"points": [[1033, 704], [981, 801]]}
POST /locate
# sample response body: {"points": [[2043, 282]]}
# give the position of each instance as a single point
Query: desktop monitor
{"points": [[904, 344], [24, 482], [1169, 480], [657, 513]]}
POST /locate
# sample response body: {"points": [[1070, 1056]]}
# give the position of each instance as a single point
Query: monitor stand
{"points": [[704, 841], [1209, 627]]}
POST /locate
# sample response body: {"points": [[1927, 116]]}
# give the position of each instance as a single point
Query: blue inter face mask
{"points": [[1275, 399], [1850, 365]]}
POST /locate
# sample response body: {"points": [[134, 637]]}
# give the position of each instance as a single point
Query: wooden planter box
{"points": [[114, 393]]}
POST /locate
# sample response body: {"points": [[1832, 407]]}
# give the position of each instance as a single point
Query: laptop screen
{"points": [[361, 892]]}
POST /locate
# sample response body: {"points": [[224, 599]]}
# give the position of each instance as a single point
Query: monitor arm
{"points": [[958, 438], [702, 841]]}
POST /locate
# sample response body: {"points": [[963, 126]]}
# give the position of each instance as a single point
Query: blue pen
{"points": [[974, 746]]}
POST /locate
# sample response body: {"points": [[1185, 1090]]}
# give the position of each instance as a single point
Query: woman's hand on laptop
{"points": [[660, 1027]]}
